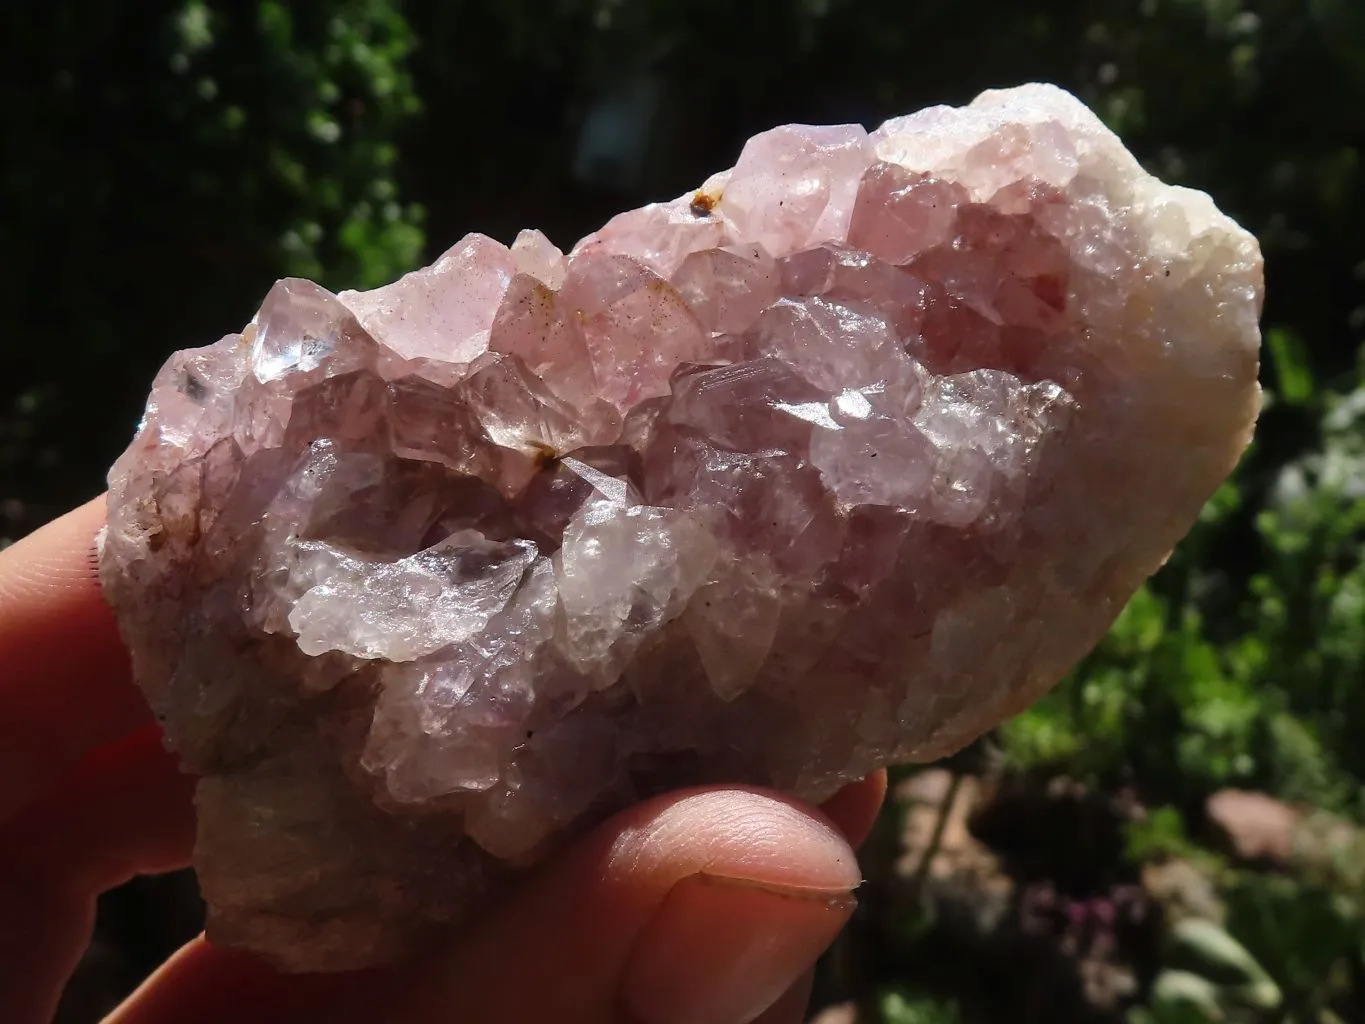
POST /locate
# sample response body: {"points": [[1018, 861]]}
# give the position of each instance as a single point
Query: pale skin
{"points": [[706, 906]]}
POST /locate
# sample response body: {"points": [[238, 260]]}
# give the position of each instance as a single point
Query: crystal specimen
{"points": [[835, 462]]}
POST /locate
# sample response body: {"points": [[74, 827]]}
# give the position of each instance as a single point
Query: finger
{"points": [[706, 905], [853, 811], [792, 1007], [721, 951], [65, 686], [208, 984], [643, 915], [126, 810], [854, 808]]}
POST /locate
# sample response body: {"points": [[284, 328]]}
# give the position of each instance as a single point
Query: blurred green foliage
{"points": [[165, 160], [900, 1006]]}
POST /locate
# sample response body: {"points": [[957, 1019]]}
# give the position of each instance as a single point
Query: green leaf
{"points": [[1290, 361], [1181, 997], [1203, 946]]}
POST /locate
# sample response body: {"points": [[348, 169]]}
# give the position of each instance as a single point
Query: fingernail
{"points": [[722, 951]]}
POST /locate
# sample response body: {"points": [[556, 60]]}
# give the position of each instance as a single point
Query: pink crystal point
{"points": [[833, 463]]}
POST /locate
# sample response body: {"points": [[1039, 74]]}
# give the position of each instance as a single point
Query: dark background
{"points": [[164, 161]]}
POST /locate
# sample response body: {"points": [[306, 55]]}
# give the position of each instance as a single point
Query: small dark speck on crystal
{"points": [[194, 388]]}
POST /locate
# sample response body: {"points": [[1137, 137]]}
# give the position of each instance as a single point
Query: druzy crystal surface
{"points": [[837, 461]]}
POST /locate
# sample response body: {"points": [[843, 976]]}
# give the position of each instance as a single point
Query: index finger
{"points": [[66, 688]]}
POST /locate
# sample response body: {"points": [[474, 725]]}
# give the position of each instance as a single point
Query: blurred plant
{"points": [[165, 162], [903, 1006], [1157, 836], [1307, 936]]}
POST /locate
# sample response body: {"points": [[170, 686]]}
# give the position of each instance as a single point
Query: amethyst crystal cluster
{"points": [[835, 462]]}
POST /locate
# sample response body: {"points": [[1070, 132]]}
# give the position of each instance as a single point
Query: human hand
{"points": [[706, 906]]}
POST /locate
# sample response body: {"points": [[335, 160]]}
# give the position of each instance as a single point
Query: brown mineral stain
{"points": [[546, 459], [704, 203], [537, 294]]}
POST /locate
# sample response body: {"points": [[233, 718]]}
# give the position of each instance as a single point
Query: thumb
{"points": [[699, 906], [703, 906]]}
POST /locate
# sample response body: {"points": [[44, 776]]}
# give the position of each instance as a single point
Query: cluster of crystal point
{"points": [[835, 462]]}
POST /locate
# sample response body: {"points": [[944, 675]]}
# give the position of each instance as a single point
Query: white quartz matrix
{"points": [[835, 462]]}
